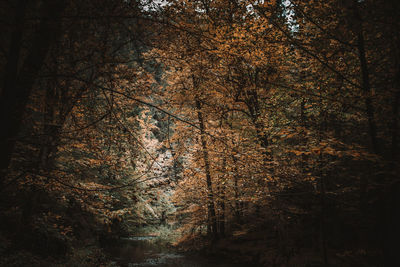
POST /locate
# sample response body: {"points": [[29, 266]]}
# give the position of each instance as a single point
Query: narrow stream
{"points": [[145, 251]]}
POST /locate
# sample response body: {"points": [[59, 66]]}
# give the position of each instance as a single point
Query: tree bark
{"points": [[395, 114], [366, 85], [18, 86], [212, 220], [221, 202]]}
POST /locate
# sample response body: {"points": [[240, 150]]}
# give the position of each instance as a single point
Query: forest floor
{"points": [[164, 246], [261, 247]]}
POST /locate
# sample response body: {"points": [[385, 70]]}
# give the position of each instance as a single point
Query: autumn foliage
{"points": [[225, 119]]}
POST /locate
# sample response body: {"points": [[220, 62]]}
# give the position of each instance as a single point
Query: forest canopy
{"points": [[270, 123]]}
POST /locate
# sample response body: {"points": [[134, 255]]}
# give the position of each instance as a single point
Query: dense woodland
{"points": [[262, 130]]}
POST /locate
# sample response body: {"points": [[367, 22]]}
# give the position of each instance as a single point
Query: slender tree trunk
{"points": [[370, 111], [236, 178], [367, 89], [238, 206], [212, 225], [395, 114], [253, 107], [222, 188], [323, 214], [303, 124], [223, 210], [390, 200], [322, 185], [366, 85]]}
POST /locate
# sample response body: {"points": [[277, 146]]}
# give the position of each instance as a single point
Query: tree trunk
{"points": [[370, 112], [17, 88], [221, 202], [366, 85], [212, 220], [395, 114], [238, 207]]}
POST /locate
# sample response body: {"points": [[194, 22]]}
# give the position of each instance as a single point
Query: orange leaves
{"points": [[55, 222], [66, 230], [326, 149], [79, 145], [299, 153]]}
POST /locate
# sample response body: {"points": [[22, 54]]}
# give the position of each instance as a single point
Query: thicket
{"points": [[273, 124]]}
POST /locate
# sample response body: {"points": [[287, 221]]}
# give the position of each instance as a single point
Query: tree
{"points": [[19, 78]]}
